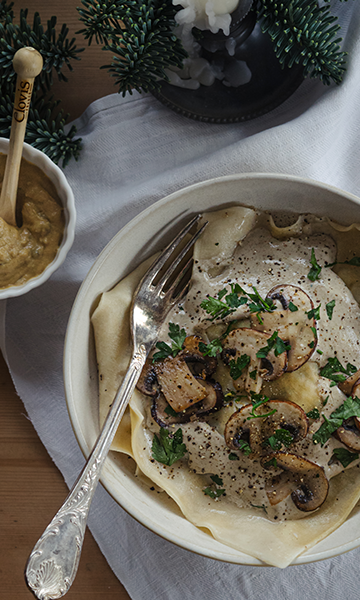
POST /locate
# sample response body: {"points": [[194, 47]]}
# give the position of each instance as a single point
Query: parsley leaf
{"points": [[177, 336], [335, 371], [216, 479], [210, 349], [164, 351], [258, 400], [244, 446], [313, 414], [330, 308], [271, 463], [213, 493], [168, 449], [262, 506], [281, 437], [274, 342], [233, 456], [292, 307], [314, 313], [315, 270], [349, 408], [237, 366], [215, 307], [353, 261], [344, 456], [170, 412]]}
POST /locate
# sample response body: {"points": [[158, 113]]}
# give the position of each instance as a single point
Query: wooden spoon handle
{"points": [[27, 64]]}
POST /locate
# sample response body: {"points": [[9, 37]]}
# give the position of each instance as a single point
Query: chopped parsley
{"points": [[271, 463], [281, 437], [349, 408], [262, 506], [344, 456], [330, 309], [314, 313], [253, 374], [177, 336], [258, 400], [214, 493], [227, 302], [315, 270], [233, 456], [353, 261], [210, 349], [313, 414], [274, 342], [237, 366], [244, 446], [170, 412], [168, 449], [292, 307], [335, 371]]}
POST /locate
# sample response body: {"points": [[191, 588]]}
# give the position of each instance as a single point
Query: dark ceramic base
{"points": [[270, 86]]}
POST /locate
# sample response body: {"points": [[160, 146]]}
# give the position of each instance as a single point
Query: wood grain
{"points": [[32, 489]]}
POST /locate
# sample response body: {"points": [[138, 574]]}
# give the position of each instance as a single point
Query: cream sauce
{"points": [[263, 261]]}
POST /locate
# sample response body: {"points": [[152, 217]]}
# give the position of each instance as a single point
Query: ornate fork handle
{"points": [[53, 563]]}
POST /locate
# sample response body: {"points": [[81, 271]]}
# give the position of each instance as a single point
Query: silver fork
{"points": [[52, 565]]}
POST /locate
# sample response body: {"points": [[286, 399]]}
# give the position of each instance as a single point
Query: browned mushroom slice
{"points": [[294, 327], [165, 416], [288, 416], [200, 365], [349, 434], [246, 341], [279, 487], [308, 481], [147, 383], [242, 428], [351, 385], [179, 386]]}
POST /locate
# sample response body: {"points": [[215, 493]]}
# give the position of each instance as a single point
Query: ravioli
{"points": [[244, 247]]}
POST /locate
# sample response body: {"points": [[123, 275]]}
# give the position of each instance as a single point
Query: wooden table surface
{"points": [[32, 489]]}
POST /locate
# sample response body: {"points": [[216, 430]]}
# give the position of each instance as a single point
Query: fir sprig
{"points": [[143, 44], [46, 121], [304, 33]]}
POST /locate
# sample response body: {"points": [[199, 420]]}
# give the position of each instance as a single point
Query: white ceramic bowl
{"points": [[138, 240], [67, 198]]}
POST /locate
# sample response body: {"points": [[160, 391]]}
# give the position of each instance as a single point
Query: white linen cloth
{"points": [[135, 152]]}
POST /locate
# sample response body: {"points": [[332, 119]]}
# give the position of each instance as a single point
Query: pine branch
{"points": [[6, 10], [143, 44], [46, 122], [304, 33]]}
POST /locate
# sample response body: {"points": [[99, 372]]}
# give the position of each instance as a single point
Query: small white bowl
{"points": [[67, 199], [145, 234]]}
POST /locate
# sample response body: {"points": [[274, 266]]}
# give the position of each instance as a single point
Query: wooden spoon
{"points": [[27, 64]]}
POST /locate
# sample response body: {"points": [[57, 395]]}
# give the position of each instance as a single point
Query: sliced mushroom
{"points": [[293, 327], [147, 383], [241, 427], [253, 426], [164, 417], [289, 416], [249, 341], [202, 366], [305, 480], [349, 434], [347, 386], [179, 386]]}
